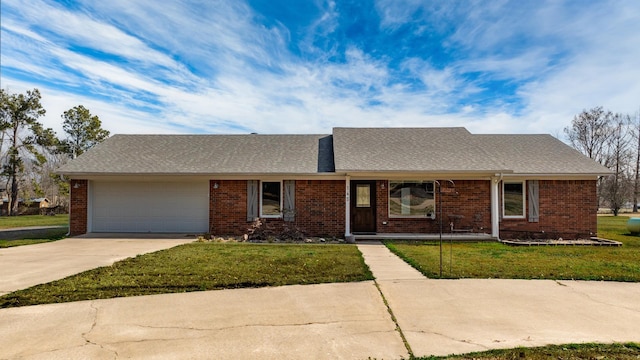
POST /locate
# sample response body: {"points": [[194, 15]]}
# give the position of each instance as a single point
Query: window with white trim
{"points": [[411, 198], [513, 199], [271, 199]]}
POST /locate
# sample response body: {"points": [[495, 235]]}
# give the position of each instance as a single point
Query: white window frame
{"points": [[393, 216], [524, 199], [272, 216]]}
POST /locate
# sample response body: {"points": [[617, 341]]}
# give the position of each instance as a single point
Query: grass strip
{"points": [[589, 351], [203, 266], [7, 222]]}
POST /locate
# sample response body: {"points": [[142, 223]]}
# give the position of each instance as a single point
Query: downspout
{"points": [[495, 207], [69, 214], [347, 217]]}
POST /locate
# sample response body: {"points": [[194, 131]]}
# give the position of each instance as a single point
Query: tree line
{"points": [[613, 140], [30, 153]]}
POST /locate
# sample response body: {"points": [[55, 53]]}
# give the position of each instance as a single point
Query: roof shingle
{"points": [[386, 150], [409, 149], [206, 154]]}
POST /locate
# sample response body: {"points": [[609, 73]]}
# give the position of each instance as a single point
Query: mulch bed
{"points": [[594, 241]]}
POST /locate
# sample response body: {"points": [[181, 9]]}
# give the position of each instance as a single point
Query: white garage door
{"points": [[149, 206]]}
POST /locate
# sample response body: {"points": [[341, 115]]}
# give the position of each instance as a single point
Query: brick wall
{"points": [[228, 207], [470, 203], [320, 208], [568, 209], [78, 207]]}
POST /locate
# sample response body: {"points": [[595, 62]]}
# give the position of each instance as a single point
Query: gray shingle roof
{"points": [[410, 149], [425, 150], [455, 150], [538, 154], [206, 154]]}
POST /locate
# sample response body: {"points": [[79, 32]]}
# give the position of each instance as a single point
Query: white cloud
{"points": [[74, 27], [212, 68]]}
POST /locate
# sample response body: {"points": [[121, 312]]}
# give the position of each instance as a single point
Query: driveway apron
{"points": [[25, 266], [442, 317]]}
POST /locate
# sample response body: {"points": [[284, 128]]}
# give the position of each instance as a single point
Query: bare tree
{"points": [[616, 189], [607, 138], [635, 132], [591, 132]]}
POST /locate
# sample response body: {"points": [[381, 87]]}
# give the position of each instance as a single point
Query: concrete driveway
{"points": [[442, 317], [24, 266], [330, 321]]}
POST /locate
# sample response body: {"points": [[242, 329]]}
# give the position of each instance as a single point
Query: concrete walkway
{"points": [[441, 317], [24, 266]]}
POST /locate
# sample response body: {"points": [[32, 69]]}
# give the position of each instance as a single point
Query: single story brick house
{"points": [[353, 181]]}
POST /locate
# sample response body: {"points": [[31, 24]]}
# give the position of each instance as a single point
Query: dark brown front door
{"points": [[363, 206]]}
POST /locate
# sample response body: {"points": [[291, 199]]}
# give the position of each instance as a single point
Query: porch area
{"points": [[457, 237]]}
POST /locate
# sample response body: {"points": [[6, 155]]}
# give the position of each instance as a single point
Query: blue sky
{"points": [[295, 66]]}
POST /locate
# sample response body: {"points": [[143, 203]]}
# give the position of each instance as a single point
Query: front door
{"points": [[363, 206]]}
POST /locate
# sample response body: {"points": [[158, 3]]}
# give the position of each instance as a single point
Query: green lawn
{"points": [[615, 228], [495, 260], [203, 266], [7, 222], [626, 351]]}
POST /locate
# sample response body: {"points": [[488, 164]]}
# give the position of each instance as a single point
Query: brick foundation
{"points": [[78, 207]]}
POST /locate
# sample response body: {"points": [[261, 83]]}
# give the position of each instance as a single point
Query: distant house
{"points": [[353, 181], [30, 207], [40, 202]]}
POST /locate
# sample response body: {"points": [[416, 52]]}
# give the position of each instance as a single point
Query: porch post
{"points": [[495, 207], [347, 217]]}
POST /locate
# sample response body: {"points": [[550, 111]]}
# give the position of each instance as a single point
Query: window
{"points": [[411, 199], [271, 199], [513, 199], [363, 198]]}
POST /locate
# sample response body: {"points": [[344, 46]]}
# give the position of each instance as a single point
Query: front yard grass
{"points": [[569, 351], [495, 260], [203, 266], [7, 222]]}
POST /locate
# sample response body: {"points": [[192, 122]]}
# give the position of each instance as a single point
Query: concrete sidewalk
{"points": [[25, 266], [441, 317]]}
